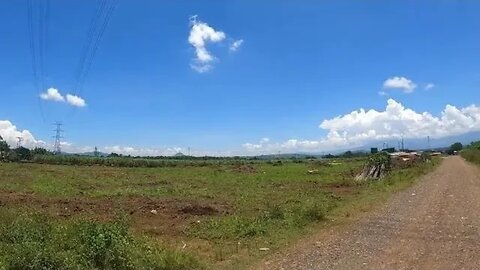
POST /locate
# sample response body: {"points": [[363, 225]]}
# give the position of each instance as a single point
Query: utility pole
{"points": [[57, 148], [19, 142], [428, 142], [189, 151]]}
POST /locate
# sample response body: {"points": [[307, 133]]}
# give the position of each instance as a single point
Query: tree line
{"points": [[20, 153]]}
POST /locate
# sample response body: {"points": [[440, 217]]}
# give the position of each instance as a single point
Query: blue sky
{"points": [[300, 63]]}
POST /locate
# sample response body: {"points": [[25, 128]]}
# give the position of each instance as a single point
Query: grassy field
{"points": [[215, 216], [472, 155]]}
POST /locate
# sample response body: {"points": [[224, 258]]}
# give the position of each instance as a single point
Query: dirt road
{"points": [[433, 225]]}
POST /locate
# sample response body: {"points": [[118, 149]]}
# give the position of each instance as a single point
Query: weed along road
{"points": [[433, 225]]}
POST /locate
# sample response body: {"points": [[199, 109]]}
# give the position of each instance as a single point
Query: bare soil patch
{"points": [[156, 216], [339, 189], [244, 169]]}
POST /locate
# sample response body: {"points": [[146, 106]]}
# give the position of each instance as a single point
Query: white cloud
{"points": [[200, 34], [236, 45], [53, 95], [75, 101], [252, 146], [134, 151], [383, 93], [429, 86], [362, 127], [262, 144], [407, 85], [10, 133]]}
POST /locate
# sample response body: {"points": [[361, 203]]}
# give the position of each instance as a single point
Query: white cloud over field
{"points": [[360, 127], [355, 129], [10, 133]]}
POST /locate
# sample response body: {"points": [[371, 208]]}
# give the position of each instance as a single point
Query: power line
{"points": [[38, 11], [95, 34], [57, 147], [86, 46], [44, 23]]}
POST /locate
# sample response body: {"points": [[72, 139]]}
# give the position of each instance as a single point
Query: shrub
{"points": [[379, 159]]}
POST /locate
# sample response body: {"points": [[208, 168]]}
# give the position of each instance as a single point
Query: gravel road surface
{"points": [[433, 225]]}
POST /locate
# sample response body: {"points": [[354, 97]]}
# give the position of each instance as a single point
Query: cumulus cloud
{"points": [[135, 151], [75, 101], [52, 94], [429, 86], [362, 127], [201, 34], [10, 133], [236, 45], [397, 121], [407, 85]]}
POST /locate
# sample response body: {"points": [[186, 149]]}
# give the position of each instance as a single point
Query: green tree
{"points": [[475, 145], [23, 153], [40, 151], [4, 149], [348, 154], [456, 147]]}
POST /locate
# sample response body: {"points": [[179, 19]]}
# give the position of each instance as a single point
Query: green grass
{"points": [[33, 241], [471, 154], [269, 204]]}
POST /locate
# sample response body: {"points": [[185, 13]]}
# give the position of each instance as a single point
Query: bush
{"points": [[379, 159]]}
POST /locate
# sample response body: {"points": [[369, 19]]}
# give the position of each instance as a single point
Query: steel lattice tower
{"points": [[57, 147]]}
